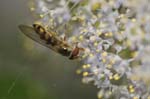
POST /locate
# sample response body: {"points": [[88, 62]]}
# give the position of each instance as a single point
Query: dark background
{"points": [[29, 70]]}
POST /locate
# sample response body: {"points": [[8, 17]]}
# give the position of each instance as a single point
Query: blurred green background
{"points": [[29, 70]]}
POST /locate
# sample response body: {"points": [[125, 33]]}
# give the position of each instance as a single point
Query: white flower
{"points": [[115, 37]]}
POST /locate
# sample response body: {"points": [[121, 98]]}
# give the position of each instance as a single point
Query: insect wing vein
{"points": [[30, 32]]}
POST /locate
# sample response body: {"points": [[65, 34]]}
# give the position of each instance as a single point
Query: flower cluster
{"points": [[115, 37]]}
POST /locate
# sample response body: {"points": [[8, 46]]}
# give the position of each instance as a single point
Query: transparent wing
{"points": [[30, 32]]}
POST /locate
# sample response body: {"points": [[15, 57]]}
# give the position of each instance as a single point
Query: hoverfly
{"points": [[49, 39]]}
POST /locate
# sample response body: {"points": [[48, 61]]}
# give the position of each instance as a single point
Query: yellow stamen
{"points": [[116, 77], [85, 74]]}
